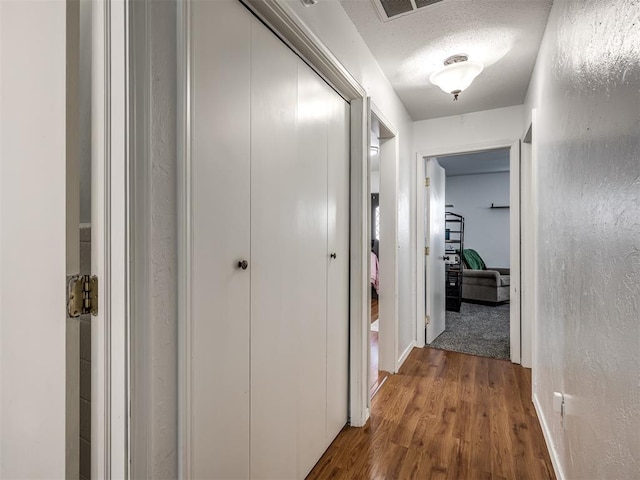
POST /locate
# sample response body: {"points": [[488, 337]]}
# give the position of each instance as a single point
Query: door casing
{"points": [[420, 222]]}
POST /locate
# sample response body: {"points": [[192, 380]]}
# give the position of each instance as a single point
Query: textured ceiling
{"points": [[490, 161], [504, 35]]}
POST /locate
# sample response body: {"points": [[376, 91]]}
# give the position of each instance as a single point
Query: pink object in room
{"points": [[374, 271]]}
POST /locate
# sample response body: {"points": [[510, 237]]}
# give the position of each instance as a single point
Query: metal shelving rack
{"points": [[454, 243]]}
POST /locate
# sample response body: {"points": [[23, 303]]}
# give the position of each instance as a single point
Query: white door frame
{"points": [[292, 30], [515, 241], [420, 260], [388, 300], [529, 252], [110, 239]]}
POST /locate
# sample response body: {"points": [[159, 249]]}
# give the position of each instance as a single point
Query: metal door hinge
{"points": [[82, 295], [427, 319], [427, 182], [426, 250]]}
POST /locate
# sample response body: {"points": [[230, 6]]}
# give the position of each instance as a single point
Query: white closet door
{"points": [[338, 269], [314, 102], [221, 234], [279, 219], [270, 353]]}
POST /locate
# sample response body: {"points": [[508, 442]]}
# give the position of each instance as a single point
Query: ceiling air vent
{"points": [[392, 9]]}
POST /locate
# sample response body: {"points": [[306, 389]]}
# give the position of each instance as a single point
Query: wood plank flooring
{"points": [[445, 415], [377, 377]]}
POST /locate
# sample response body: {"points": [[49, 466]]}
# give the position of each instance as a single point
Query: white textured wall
{"points": [[486, 230], [585, 86], [330, 23], [461, 133]]}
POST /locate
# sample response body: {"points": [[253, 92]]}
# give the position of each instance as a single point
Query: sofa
{"points": [[483, 284]]}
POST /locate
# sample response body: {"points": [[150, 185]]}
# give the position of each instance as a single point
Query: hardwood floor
{"points": [[445, 415], [377, 377], [374, 309]]}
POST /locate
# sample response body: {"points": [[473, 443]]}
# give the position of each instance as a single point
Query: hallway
{"points": [[445, 415]]}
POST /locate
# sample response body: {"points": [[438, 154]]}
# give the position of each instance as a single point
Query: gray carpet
{"points": [[478, 329]]}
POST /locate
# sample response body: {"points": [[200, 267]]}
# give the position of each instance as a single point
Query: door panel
{"points": [[309, 186], [435, 264], [33, 238], [338, 269], [278, 217], [221, 234], [268, 367]]}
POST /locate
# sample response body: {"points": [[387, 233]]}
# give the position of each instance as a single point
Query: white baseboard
{"points": [[555, 461], [404, 355]]}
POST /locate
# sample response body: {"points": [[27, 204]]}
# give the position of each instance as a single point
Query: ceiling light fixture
{"points": [[308, 3], [456, 75]]}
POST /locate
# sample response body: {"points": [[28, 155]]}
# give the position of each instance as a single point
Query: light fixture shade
{"points": [[456, 77]]}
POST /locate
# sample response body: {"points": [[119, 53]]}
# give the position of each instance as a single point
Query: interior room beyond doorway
{"points": [[477, 250]]}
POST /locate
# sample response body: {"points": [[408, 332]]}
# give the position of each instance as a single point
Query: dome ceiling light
{"points": [[456, 75]]}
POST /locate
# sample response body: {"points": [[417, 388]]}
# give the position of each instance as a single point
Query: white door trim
{"points": [[421, 298], [359, 271], [292, 30], [388, 360], [515, 239], [110, 239], [185, 216], [419, 222], [529, 242]]}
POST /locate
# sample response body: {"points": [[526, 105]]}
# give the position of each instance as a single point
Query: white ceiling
{"points": [[490, 161], [504, 35]]}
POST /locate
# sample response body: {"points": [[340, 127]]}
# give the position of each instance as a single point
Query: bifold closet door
{"points": [[338, 268], [221, 192], [289, 251], [267, 389]]}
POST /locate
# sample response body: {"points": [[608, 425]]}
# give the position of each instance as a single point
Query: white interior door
{"points": [[435, 288], [278, 245], [33, 240], [221, 235], [514, 219], [338, 268], [268, 361]]}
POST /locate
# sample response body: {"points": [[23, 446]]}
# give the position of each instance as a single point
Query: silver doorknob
{"points": [[333, 255], [243, 264]]}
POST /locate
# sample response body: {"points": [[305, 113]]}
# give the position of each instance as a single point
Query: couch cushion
{"points": [[504, 280], [481, 281]]}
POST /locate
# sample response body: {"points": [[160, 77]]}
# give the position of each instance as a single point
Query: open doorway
{"points": [[477, 254], [376, 375], [382, 240], [477, 231]]}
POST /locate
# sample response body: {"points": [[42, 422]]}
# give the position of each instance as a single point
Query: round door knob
{"points": [[333, 255], [243, 264]]}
